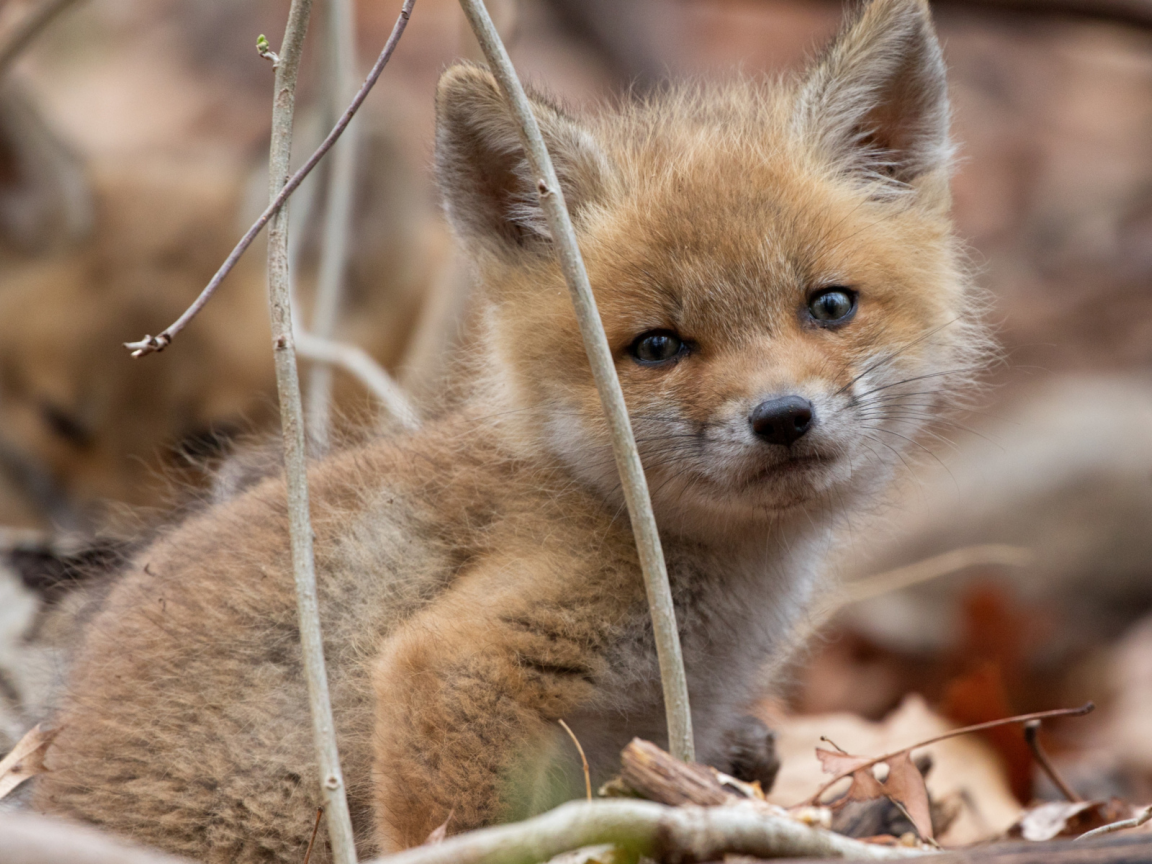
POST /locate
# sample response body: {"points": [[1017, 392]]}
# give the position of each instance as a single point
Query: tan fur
{"points": [[478, 581]]}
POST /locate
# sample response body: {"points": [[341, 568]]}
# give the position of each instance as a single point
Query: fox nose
{"points": [[783, 420]]}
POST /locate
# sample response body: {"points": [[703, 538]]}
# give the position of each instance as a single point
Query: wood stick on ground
{"points": [[340, 41], [632, 478], [332, 791], [1122, 849], [655, 830], [652, 773], [152, 344], [25, 31]]}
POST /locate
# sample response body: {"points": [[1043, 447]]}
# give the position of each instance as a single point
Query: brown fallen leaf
{"points": [[965, 771], [907, 780], [904, 784], [26, 759]]}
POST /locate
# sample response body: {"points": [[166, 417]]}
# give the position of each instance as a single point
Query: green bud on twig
{"points": [[265, 50]]}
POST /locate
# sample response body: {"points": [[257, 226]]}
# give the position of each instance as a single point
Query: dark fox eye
{"points": [[657, 346], [832, 305]]}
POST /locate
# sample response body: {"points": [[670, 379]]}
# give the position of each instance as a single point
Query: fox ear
{"points": [[487, 184], [877, 102]]}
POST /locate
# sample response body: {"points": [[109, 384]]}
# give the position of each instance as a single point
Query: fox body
{"points": [[776, 272]]}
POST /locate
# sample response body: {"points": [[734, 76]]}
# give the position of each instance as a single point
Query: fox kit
{"points": [[777, 275]]}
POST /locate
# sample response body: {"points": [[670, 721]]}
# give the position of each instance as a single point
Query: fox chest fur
{"points": [[787, 309]]}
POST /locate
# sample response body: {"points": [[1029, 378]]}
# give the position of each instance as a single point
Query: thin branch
{"points": [[315, 831], [1032, 736], [359, 363], [341, 43], [332, 791], [1087, 708], [653, 830], [1136, 821], [632, 478], [583, 759], [27, 29], [152, 344]]}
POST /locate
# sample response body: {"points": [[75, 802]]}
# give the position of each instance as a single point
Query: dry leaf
{"points": [[864, 786], [26, 759], [904, 784], [963, 767]]}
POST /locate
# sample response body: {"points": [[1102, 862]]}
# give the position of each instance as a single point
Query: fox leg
{"points": [[465, 726]]}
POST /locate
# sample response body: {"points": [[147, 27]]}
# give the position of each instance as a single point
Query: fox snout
{"points": [[782, 420]]}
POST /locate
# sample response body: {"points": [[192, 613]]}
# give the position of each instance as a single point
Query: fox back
{"points": [[777, 275]]}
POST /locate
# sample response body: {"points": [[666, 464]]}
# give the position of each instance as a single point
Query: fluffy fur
{"points": [[478, 580]]}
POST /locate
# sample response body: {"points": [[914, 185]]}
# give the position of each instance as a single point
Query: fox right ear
{"points": [[484, 176], [877, 102]]}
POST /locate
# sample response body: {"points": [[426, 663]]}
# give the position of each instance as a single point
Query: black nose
{"points": [[783, 420]]}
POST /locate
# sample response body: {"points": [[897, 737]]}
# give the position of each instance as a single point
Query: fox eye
{"points": [[658, 346], [832, 305]]}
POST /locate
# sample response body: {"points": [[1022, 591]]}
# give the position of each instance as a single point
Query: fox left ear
{"points": [[877, 102], [489, 191]]}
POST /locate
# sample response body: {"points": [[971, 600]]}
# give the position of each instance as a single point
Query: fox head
{"points": [[773, 262]]}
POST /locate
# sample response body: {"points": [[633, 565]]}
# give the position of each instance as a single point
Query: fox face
{"points": [[774, 267]]}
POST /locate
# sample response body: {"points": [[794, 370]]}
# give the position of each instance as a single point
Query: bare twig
{"points": [[632, 478], [152, 344], [315, 831], [1136, 821], [1032, 736], [583, 759], [357, 362], [332, 791], [27, 29], [654, 830], [341, 42], [1087, 708]]}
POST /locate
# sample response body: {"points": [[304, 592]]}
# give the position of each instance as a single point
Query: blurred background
{"points": [[1011, 571]]}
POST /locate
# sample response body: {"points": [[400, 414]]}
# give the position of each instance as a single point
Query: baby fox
{"points": [[777, 274]]}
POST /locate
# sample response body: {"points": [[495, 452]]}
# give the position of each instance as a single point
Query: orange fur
{"points": [[478, 580]]}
